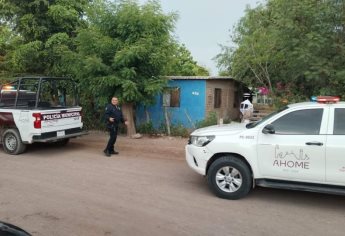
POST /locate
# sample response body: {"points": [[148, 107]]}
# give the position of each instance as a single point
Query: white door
{"points": [[335, 149], [296, 151]]}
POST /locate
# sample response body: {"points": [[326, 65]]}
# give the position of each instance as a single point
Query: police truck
{"points": [[38, 109]]}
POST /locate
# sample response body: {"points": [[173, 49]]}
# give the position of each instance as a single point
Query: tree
{"points": [[5, 38], [46, 29], [182, 63], [294, 47], [124, 52], [111, 48]]}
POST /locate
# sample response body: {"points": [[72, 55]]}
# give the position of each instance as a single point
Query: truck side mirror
{"points": [[269, 129]]}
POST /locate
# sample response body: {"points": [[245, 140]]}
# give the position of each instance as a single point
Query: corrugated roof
{"points": [[199, 77]]}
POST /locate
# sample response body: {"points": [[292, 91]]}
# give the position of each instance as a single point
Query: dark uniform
{"points": [[115, 112]]}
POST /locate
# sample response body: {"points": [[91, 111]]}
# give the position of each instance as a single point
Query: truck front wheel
{"points": [[12, 142], [229, 177]]}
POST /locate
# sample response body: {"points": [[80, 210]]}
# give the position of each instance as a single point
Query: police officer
{"points": [[113, 117]]}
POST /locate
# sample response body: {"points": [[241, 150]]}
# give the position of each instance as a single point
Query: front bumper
{"points": [[197, 158]]}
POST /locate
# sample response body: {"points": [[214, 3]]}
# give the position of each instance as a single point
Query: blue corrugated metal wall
{"points": [[192, 104]]}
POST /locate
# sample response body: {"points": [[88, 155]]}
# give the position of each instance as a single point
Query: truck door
{"points": [[296, 151], [335, 148]]}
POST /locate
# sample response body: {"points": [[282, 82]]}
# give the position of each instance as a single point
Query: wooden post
{"points": [[189, 119], [147, 115], [167, 121]]}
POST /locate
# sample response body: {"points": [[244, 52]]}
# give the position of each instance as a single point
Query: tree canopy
{"points": [[111, 48], [182, 63], [296, 48], [126, 49], [42, 34]]}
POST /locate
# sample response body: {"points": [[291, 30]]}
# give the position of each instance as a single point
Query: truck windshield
{"points": [[256, 123]]}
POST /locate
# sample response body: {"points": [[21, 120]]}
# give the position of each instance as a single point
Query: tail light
{"points": [[37, 122]]}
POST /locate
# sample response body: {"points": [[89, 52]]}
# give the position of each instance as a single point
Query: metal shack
{"points": [[189, 99]]}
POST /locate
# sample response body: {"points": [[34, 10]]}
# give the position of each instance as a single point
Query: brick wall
{"points": [[228, 99]]}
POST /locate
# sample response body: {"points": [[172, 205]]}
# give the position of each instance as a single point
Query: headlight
{"points": [[201, 141]]}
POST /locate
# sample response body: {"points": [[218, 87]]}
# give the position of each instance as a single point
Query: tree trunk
{"points": [[128, 114]]}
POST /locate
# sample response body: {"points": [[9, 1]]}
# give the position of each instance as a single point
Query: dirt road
{"points": [[146, 190]]}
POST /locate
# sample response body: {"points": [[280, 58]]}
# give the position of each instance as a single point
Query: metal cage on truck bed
{"points": [[39, 92]]}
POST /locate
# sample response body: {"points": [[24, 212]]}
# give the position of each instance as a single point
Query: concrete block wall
{"points": [[228, 99]]}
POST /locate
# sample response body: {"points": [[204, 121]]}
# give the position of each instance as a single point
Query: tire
{"points": [[229, 177], [12, 142]]}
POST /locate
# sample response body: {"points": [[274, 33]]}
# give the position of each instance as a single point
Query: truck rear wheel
{"points": [[229, 177], [12, 142]]}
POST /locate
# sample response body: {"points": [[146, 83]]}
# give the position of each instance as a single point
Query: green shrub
{"points": [[175, 130], [210, 120], [146, 128], [227, 121], [179, 130]]}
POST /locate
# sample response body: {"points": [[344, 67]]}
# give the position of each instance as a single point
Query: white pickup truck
{"points": [[38, 109], [300, 147]]}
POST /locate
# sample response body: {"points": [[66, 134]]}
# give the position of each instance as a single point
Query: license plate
{"points": [[60, 133]]}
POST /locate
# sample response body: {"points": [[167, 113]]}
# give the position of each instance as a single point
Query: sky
{"points": [[204, 24]]}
